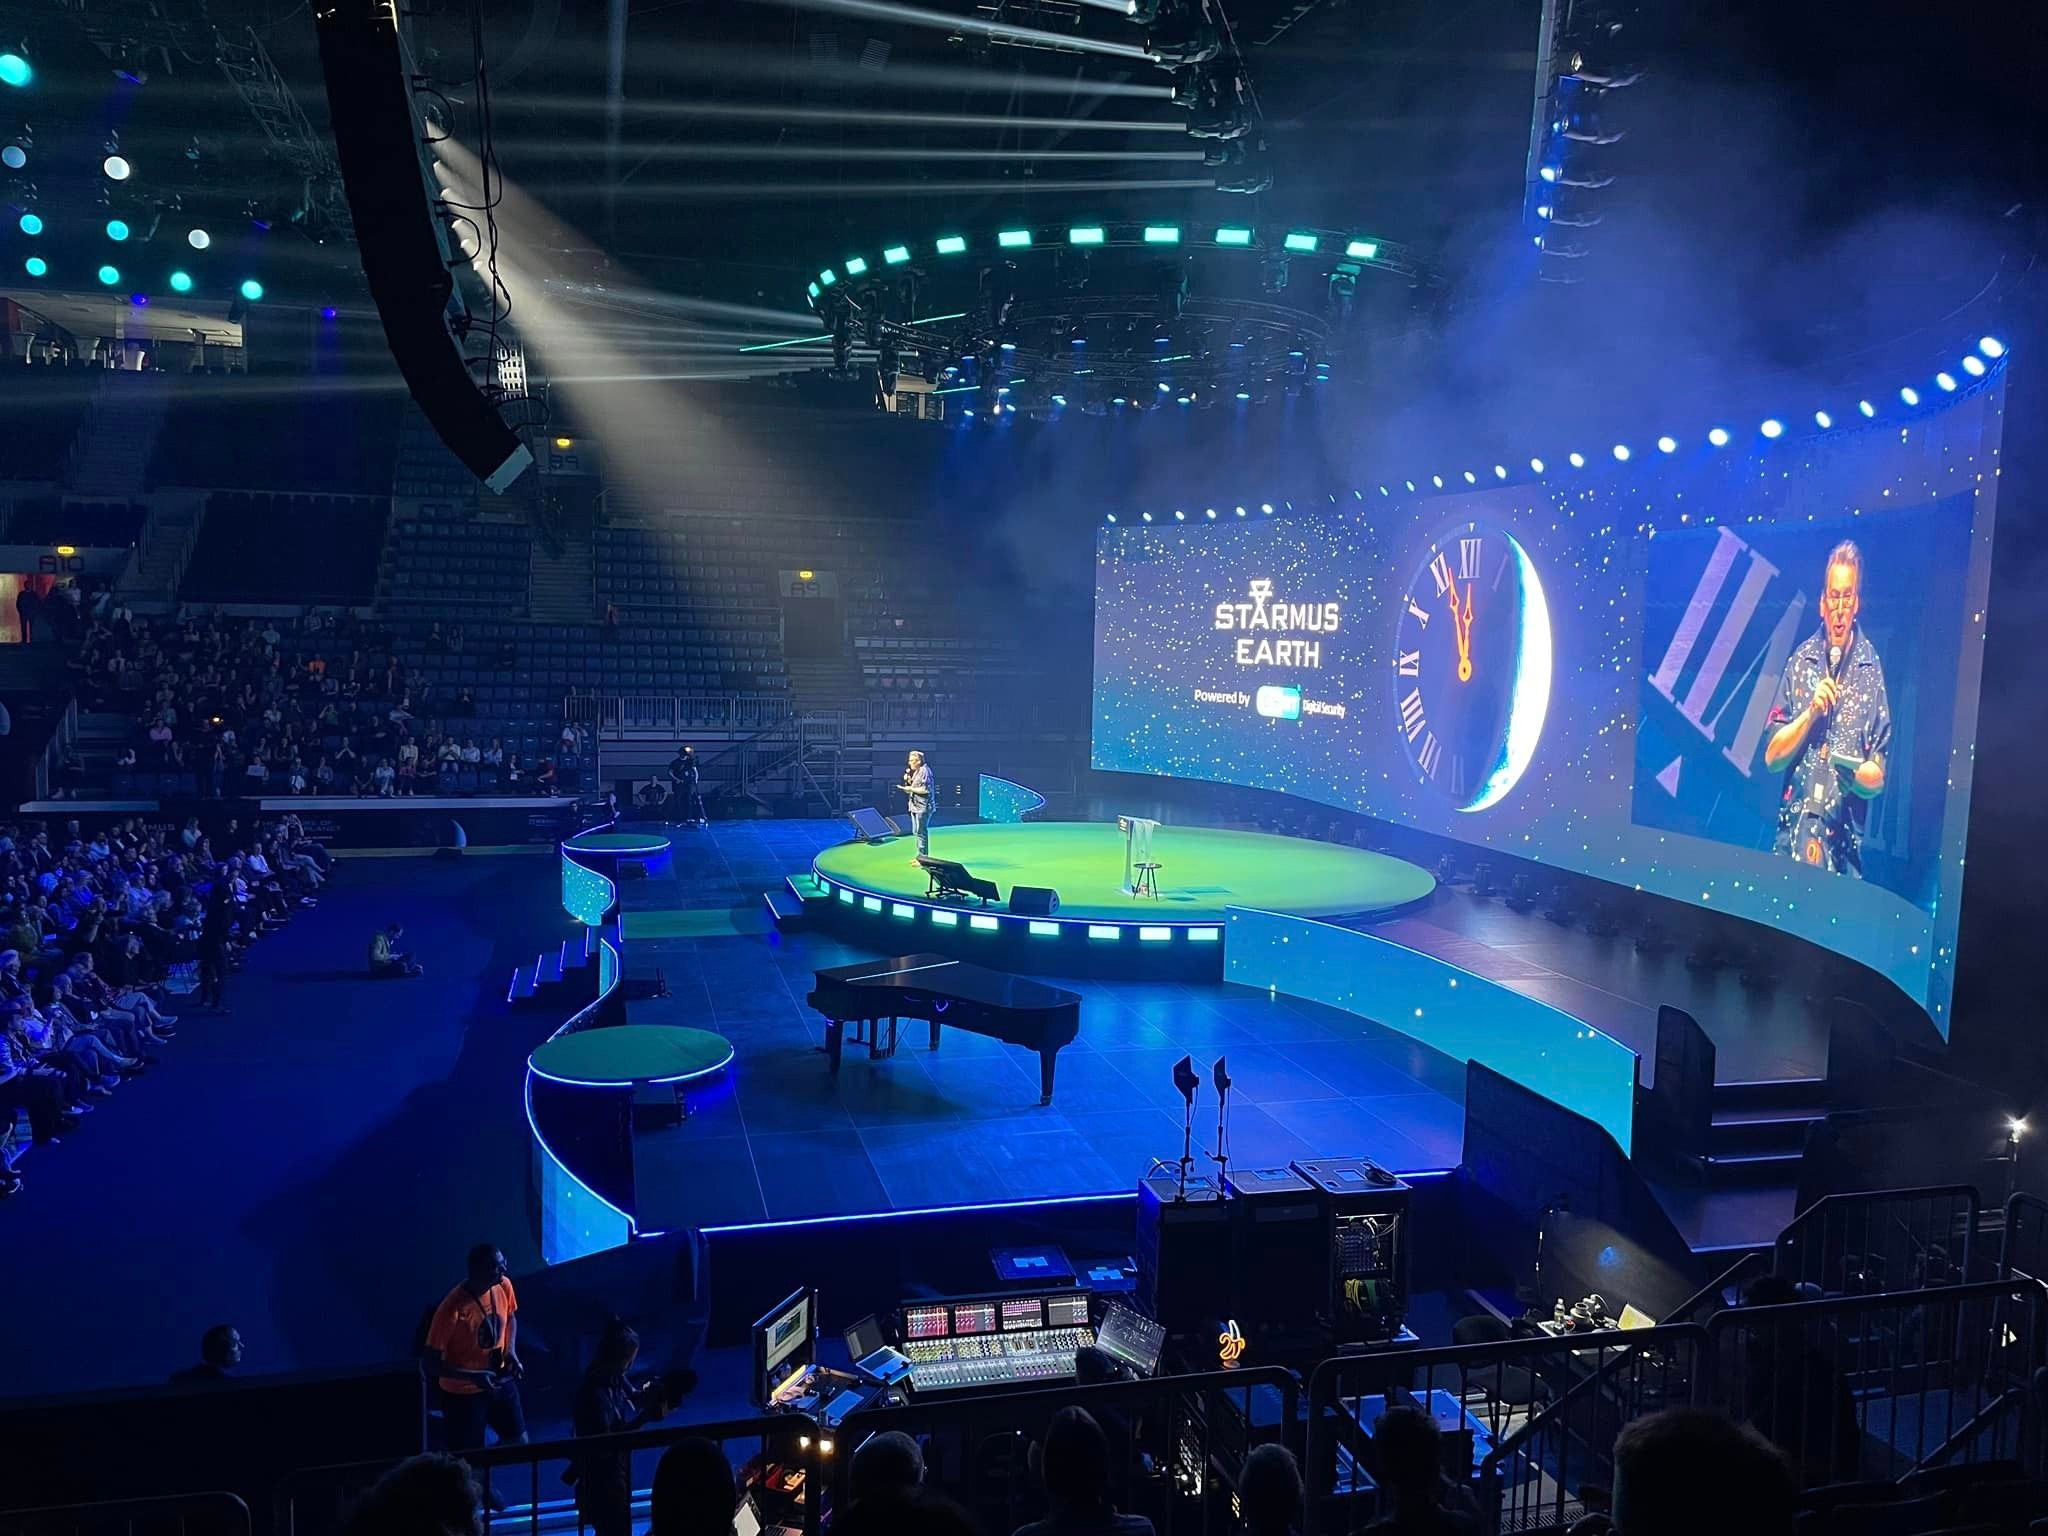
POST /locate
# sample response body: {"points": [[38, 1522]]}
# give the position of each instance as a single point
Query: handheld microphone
{"points": [[1834, 658]]}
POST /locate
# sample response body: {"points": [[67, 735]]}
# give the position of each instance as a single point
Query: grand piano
{"points": [[942, 991]]}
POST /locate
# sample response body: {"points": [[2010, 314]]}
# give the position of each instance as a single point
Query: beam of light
{"points": [[864, 117], [744, 192], [731, 64], [794, 341], [912, 16], [634, 299], [657, 152]]}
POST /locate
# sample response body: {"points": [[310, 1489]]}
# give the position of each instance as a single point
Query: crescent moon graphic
{"points": [[1529, 701]]}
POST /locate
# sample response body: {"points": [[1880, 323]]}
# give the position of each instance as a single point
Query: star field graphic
{"points": [[1328, 652]]}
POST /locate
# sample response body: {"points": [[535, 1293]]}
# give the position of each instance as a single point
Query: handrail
{"points": [[2018, 1201], [226, 1513], [1816, 1216], [1717, 1285], [1631, 1342]]}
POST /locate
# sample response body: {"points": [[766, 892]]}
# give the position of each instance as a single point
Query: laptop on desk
{"points": [[746, 1521]]}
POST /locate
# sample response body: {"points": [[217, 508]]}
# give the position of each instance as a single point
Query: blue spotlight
{"points": [[1974, 366], [1110, 515], [1909, 394], [1146, 515], [1866, 407], [1772, 427], [116, 230], [1667, 444], [1437, 481], [1991, 346], [1621, 452], [1242, 395], [1179, 516], [1470, 478], [1823, 420], [1266, 507], [1536, 465], [1576, 459], [328, 312], [1212, 514], [1718, 436], [1500, 471], [14, 157], [1947, 381]]}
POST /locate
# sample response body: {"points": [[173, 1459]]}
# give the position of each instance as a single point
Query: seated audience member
{"points": [[387, 961], [1074, 1465], [1269, 1493], [693, 1491], [220, 1352], [431, 1495], [887, 1465], [1686, 1472], [1408, 1457]]}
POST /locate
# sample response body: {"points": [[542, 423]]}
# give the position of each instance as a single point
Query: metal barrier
{"points": [[671, 714], [1881, 1240], [1533, 1418], [1177, 1445], [529, 1478], [2023, 1246], [179, 1514], [1880, 1386]]}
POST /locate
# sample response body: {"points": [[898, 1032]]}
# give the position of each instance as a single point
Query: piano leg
{"points": [[935, 1034], [1045, 1061], [835, 1031]]}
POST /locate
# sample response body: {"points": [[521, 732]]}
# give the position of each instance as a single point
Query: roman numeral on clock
{"points": [[1409, 664], [1430, 754], [1440, 568], [1458, 774], [1411, 713], [1421, 613], [1468, 559]]}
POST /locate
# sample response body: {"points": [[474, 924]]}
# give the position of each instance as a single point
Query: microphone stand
{"points": [[1187, 1147], [1221, 1156]]}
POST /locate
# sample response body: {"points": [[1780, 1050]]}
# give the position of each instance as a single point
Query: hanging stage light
{"points": [[15, 69], [198, 239], [251, 289], [117, 169]]}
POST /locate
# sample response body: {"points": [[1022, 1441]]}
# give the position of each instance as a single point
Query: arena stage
{"points": [[877, 894]]}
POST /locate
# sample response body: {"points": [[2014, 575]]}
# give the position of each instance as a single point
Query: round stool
{"points": [[1148, 881]]}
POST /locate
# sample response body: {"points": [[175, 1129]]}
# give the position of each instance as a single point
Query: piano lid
{"points": [[959, 979]]}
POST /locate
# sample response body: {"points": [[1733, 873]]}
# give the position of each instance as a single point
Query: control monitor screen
{"points": [[1743, 676]]}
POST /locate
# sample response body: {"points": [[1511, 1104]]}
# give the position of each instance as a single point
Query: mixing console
{"points": [[1024, 1358]]}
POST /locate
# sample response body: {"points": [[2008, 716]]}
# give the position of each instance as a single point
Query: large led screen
{"points": [[1743, 679]]}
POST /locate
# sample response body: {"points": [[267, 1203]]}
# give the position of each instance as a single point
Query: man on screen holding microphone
{"points": [[1830, 729]]}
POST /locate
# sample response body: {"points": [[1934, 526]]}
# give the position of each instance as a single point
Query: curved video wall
{"points": [[1744, 677]]}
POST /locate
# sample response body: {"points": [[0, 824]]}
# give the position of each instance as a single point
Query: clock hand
{"points": [[1461, 623]]}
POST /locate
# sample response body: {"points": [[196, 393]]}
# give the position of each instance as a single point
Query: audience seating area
{"points": [[42, 408], [87, 524], [436, 562], [280, 434], [287, 549]]}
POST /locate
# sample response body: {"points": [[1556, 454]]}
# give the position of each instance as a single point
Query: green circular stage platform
{"points": [[624, 844], [627, 1055], [1201, 871]]}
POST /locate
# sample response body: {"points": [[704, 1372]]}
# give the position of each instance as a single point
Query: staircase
{"points": [[115, 443], [1759, 1130], [150, 584], [561, 585], [820, 684]]}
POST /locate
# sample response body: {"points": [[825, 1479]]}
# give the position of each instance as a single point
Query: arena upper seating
{"points": [[279, 434], [42, 407], [287, 549], [88, 524], [437, 562]]}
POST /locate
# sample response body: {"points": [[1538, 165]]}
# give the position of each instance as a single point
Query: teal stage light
{"points": [[896, 255], [950, 245], [116, 230], [36, 266], [251, 289], [1232, 235], [1162, 234], [1362, 250], [15, 70], [181, 282], [110, 275], [1085, 234], [31, 224], [1013, 239], [1300, 240]]}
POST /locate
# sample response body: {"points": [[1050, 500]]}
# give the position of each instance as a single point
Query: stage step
{"points": [[784, 909], [521, 990], [1739, 1131], [1725, 1169], [1789, 1095], [547, 970]]}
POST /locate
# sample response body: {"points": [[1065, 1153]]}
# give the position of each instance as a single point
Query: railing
{"points": [[1881, 1240], [2023, 1246], [1177, 1445], [1881, 1386], [52, 755], [672, 714], [182, 1514], [528, 1479], [1534, 1419], [1712, 1297]]}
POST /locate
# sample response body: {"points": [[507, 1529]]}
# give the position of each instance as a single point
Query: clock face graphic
{"points": [[1472, 665]]}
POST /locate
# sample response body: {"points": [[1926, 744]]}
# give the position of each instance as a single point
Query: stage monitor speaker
{"points": [[1183, 1252], [871, 826], [407, 261], [1034, 900]]}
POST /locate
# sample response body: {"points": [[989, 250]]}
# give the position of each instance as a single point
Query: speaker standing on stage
{"points": [[917, 784]]}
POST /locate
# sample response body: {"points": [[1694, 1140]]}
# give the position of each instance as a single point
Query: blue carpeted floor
{"points": [[311, 1167]]}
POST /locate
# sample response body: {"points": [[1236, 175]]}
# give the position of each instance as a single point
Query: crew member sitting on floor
{"points": [[387, 960]]}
